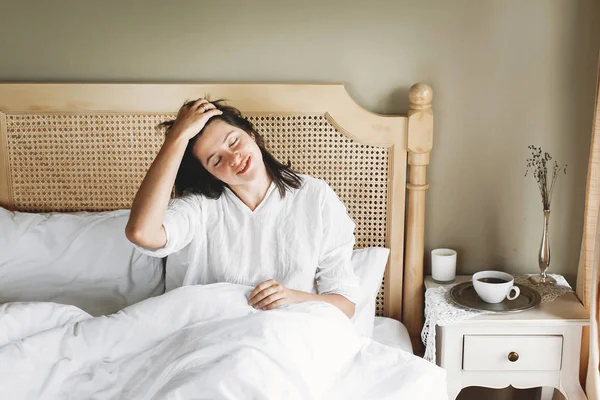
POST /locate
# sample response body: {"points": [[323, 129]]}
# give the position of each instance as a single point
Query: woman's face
{"points": [[229, 154]]}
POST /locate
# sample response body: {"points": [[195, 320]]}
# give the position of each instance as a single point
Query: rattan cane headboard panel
{"points": [[69, 147], [94, 162], [75, 162]]}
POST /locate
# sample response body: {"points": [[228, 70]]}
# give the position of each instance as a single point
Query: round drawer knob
{"points": [[513, 356]]}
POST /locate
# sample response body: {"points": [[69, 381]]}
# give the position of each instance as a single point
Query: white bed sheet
{"points": [[214, 346], [392, 333]]}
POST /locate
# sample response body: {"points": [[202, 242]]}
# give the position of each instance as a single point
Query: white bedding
{"points": [[202, 342], [392, 333]]}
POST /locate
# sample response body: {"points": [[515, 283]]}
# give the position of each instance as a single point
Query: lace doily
{"points": [[439, 310]]}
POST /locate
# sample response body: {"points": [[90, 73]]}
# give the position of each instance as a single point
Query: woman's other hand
{"points": [[271, 294], [191, 118]]}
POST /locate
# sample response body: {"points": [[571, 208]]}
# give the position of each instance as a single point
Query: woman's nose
{"points": [[234, 160]]}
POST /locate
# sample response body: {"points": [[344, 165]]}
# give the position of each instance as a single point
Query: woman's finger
{"points": [[261, 295], [211, 113], [261, 286], [206, 107], [199, 102], [276, 304], [269, 300]]}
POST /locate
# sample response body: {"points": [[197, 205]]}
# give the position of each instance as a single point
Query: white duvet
{"points": [[202, 342]]}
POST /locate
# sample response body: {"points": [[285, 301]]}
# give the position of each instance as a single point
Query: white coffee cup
{"points": [[495, 286], [443, 265]]}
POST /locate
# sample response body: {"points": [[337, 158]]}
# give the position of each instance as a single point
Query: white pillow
{"points": [[369, 265], [81, 259]]}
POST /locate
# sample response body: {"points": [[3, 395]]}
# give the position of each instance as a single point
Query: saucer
{"points": [[464, 295]]}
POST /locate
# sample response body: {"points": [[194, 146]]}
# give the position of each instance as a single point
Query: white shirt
{"points": [[304, 240]]}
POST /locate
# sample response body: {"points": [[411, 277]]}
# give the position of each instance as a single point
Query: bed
{"points": [[78, 152]]}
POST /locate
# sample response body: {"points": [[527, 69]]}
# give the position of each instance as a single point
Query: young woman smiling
{"points": [[246, 217]]}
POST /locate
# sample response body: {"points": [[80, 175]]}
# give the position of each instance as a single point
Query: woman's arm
{"points": [[145, 225], [272, 294], [334, 270], [337, 300]]}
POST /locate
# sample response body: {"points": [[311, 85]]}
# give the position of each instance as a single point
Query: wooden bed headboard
{"points": [[74, 147]]}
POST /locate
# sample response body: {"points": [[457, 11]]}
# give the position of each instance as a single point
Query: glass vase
{"points": [[544, 256]]}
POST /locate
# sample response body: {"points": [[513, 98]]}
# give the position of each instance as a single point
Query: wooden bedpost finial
{"points": [[420, 96], [420, 123]]}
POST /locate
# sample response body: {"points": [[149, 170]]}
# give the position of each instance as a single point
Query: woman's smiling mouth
{"points": [[244, 166]]}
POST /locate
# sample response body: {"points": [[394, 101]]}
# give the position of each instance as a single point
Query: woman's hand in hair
{"points": [[191, 118], [271, 294]]}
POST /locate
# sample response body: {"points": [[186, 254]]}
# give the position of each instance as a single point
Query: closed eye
{"points": [[217, 162], [234, 141]]}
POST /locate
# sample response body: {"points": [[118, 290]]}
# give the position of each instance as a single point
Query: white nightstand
{"points": [[538, 347]]}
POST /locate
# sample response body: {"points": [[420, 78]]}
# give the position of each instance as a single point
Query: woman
{"points": [[247, 218]]}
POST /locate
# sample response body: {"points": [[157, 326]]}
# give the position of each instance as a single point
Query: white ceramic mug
{"points": [[443, 265], [495, 286]]}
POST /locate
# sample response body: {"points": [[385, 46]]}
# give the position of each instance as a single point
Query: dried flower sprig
{"points": [[538, 166]]}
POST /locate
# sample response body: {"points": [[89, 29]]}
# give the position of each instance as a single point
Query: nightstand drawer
{"points": [[512, 353]]}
